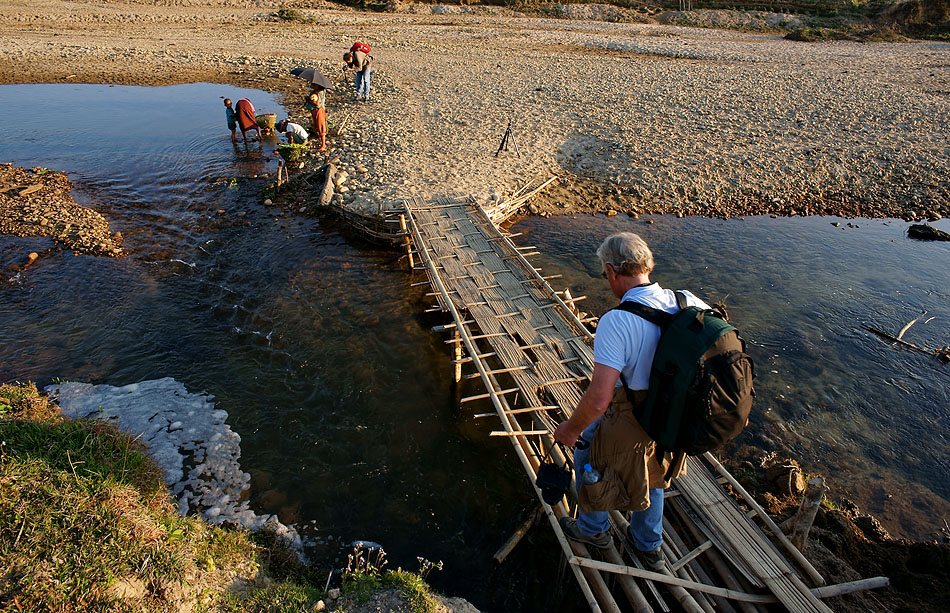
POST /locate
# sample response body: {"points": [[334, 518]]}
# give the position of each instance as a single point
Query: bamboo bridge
{"points": [[524, 341]]}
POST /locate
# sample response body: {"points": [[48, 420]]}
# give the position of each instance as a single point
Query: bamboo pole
{"points": [[527, 266], [521, 410], [519, 432], [804, 563], [519, 534], [689, 602], [669, 580], [406, 241], [860, 585], [826, 591], [681, 566], [684, 598], [629, 586], [719, 564], [280, 170], [582, 577], [691, 555], [457, 351]]}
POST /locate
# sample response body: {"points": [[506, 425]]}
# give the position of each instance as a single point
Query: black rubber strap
{"points": [[654, 316]]}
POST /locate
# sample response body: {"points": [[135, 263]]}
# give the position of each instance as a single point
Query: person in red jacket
{"points": [[244, 112], [358, 60]]}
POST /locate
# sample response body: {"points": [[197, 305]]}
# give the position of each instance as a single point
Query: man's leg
{"points": [[366, 80], [359, 83], [646, 530], [594, 522], [594, 527]]}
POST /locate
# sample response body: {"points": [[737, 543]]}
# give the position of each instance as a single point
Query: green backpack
{"points": [[700, 392]]}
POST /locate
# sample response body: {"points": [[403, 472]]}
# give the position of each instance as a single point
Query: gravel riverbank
{"points": [[632, 117], [38, 202]]}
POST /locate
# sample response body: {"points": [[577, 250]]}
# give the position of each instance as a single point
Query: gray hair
{"points": [[626, 253]]}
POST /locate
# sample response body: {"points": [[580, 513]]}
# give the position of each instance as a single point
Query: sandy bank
{"points": [[634, 117]]}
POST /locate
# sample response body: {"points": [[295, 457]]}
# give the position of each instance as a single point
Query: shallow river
{"points": [[312, 341]]}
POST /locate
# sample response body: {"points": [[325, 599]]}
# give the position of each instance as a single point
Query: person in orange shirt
{"points": [[317, 105]]}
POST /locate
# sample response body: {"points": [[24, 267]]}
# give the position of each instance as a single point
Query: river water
{"points": [[315, 345]]}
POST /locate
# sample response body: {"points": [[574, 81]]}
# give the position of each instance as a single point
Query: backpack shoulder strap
{"points": [[654, 316], [681, 300]]}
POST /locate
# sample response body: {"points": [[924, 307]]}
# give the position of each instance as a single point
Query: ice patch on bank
{"points": [[187, 437]]}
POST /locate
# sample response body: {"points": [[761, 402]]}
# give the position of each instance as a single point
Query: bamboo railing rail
{"points": [[534, 355]]}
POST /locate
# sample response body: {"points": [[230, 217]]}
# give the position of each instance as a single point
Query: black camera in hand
{"points": [[553, 481]]}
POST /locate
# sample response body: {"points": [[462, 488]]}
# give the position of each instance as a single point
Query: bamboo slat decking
{"points": [[535, 357]]}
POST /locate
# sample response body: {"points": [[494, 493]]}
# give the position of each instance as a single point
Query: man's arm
{"points": [[593, 404]]}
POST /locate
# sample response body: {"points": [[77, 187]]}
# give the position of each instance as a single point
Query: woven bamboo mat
{"points": [[535, 358]]}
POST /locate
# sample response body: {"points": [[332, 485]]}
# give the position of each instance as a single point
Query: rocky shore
{"points": [[635, 118], [37, 202]]}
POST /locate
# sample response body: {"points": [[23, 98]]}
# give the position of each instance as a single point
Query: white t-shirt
{"points": [[299, 134], [626, 342]]}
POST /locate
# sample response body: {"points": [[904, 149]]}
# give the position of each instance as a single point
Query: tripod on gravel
{"points": [[508, 137]]}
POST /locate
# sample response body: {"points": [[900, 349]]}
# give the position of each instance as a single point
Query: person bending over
{"points": [[603, 430], [246, 119], [294, 132], [359, 61]]}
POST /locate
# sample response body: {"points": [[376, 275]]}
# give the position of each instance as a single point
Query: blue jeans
{"points": [[362, 82], [646, 527]]}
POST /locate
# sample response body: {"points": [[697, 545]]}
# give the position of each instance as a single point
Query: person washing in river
{"points": [[357, 59], [317, 105], [294, 132], [245, 118]]}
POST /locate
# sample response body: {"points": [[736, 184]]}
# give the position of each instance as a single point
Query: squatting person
{"points": [[295, 133]]}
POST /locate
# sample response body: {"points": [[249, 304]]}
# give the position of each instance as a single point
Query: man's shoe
{"points": [[571, 531], [653, 560]]}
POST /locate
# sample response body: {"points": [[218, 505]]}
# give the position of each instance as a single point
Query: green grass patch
{"points": [[365, 575], [414, 589], [82, 508], [87, 524], [283, 597], [23, 400]]}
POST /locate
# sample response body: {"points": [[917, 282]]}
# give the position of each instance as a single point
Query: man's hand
{"points": [[566, 434]]}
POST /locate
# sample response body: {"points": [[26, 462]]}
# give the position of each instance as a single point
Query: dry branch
{"points": [[798, 525], [909, 324], [942, 354]]}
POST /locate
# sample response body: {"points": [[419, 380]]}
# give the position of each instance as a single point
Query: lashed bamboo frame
{"points": [[784, 583]]}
